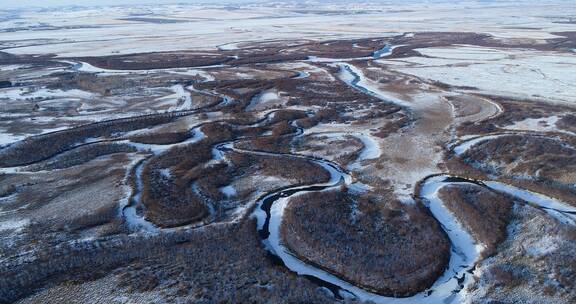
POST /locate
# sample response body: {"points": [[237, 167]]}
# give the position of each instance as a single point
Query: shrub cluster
{"points": [[482, 212], [82, 155], [41, 147], [389, 248]]}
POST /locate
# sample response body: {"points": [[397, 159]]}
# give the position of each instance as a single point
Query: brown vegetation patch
{"points": [[567, 123], [165, 138], [150, 61], [104, 85], [41, 147], [534, 264], [343, 150], [388, 248], [232, 257], [167, 192], [547, 160], [180, 267], [513, 110], [180, 186], [82, 155], [483, 212], [245, 56], [568, 42]]}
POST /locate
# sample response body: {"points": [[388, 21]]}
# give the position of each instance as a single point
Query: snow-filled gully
{"points": [[386, 50]]}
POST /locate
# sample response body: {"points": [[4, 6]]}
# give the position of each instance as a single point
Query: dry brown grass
{"points": [[161, 138], [82, 155], [567, 123]]}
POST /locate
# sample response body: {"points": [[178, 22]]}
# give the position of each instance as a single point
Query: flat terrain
{"points": [[283, 153]]}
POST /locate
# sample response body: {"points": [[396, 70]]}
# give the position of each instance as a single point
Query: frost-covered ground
{"points": [[114, 30], [415, 151]]}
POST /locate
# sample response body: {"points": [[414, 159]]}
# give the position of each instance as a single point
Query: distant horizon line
{"points": [[47, 4]]}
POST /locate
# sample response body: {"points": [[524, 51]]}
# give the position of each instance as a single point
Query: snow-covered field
{"points": [[42, 93], [97, 31], [524, 74]]}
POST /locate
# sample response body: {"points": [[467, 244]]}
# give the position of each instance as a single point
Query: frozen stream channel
{"points": [[464, 250]]}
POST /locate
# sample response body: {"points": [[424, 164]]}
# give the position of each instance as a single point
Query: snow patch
{"points": [[543, 124], [264, 97], [229, 191], [15, 225], [371, 150], [557, 209], [543, 246]]}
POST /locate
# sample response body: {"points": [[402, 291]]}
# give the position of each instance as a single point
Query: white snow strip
{"points": [[385, 51], [331, 60], [134, 221], [137, 222], [21, 93], [195, 71], [264, 97], [302, 74], [549, 204], [159, 149], [371, 149], [461, 148], [228, 46], [182, 97], [6, 138], [356, 79], [192, 72], [13, 67]]}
